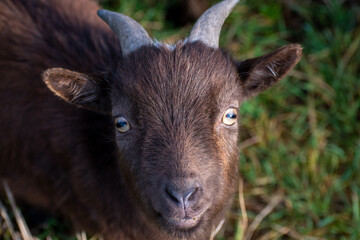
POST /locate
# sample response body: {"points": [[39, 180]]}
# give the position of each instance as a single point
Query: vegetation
{"points": [[300, 140]]}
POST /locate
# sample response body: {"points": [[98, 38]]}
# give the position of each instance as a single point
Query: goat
{"points": [[147, 147]]}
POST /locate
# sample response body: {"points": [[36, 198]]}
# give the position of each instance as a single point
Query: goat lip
{"points": [[185, 223]]}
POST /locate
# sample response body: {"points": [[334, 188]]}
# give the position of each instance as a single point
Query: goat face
{"points": [[172, 135]]}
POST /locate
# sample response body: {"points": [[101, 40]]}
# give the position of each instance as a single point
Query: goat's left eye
{"points": [[122, 125], [230, 117]]}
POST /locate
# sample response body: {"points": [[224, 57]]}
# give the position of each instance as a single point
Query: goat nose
{"points": [[181, 197]]}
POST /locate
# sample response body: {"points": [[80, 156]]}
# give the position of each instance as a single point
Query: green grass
{"points": [[304, 133]]}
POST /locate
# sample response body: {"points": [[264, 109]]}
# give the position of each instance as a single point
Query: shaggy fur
{"points": [[69, 158]]}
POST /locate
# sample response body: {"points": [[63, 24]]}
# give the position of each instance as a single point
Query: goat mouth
{"points": [[184, 224], [180, 226]]}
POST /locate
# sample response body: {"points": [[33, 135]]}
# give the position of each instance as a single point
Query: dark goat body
{"points": [[73, 161], [181, 12]]}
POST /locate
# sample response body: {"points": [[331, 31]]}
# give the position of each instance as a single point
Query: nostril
{"points": [[190, 195], [173, 195]]}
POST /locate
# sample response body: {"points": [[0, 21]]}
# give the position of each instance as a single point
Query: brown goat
{"points": [[147, 149]]}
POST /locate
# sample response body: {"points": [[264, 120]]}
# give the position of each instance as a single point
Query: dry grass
{"points": [[21, 230]]}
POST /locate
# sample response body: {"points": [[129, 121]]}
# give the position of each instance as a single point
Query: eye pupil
{"points": [[231, 115], [121, 123]]}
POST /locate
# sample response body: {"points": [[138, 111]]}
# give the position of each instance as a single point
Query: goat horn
{"points": [[131, 34], [207, 28]]}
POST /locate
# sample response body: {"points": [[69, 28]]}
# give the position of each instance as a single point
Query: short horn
{"points": [[130, 33], [207, 28]]}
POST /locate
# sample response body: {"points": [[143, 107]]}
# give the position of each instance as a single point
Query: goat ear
{"points": [[78, 89], [260, 73]]}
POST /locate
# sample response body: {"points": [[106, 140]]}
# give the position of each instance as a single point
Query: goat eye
{"points": [[230, 117], [122, 125]]}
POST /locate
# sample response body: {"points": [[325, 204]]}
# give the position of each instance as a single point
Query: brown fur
{"points": [[73, 161]]}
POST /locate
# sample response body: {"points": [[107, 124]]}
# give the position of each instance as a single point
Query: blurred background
{"points": [[300, 140]]}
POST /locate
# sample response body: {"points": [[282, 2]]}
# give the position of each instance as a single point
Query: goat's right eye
{"points": [[122, 125]]}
